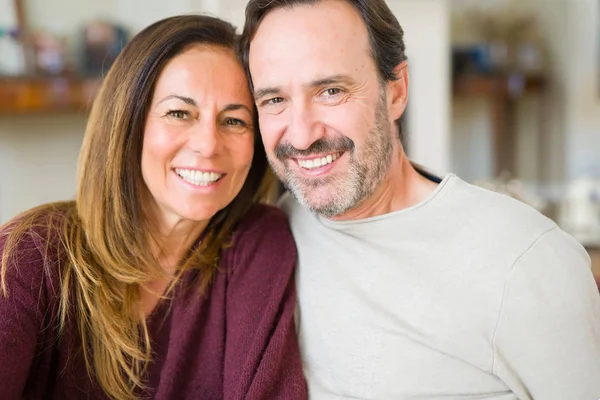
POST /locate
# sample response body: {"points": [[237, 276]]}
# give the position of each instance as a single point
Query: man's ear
{"points": [[397, 91]]}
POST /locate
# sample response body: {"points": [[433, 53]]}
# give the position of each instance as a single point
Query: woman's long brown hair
{"points": [[104, 232]]}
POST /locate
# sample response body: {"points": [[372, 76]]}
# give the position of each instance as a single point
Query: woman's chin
{"points": [[199, 214]]}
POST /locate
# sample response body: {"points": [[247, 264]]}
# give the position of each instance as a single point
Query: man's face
{"points": [[324, 115]]}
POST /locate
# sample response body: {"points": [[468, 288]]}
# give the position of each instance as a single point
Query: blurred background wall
{"points": [[504, 93], [38, 150]]}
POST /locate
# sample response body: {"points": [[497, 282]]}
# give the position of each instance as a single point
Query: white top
{"points": [[468, 295]]}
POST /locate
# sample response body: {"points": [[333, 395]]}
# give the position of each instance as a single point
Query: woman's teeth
{"points": [[198, 178], [318, 162]]}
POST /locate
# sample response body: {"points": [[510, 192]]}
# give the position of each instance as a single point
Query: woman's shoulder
{"points": [[40, 225], [30, 281], [263, 244], [264, 219], [32, 244], [263, 232]]}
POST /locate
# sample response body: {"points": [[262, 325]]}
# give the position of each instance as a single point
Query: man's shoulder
{"points": [[489, 220], [469, 213], [459, 203], [487, 209]]}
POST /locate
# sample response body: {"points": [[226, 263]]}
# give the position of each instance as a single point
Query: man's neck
{"points": [[402, 187]]}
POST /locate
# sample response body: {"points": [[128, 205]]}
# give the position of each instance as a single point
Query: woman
{"points": [[164, 279]]}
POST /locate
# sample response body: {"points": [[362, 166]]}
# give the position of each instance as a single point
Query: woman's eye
{"points": [[178, 114], [235, 122]]}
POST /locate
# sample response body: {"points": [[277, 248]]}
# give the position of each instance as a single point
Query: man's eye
{"points": [[332, 91], [275, 100], [274, 105]]}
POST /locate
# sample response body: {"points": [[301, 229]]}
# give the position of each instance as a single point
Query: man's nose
{"points": [[304, 128]]}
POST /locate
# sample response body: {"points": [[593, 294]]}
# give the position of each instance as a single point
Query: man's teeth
{"points": [[198, 178], [318, 162]]}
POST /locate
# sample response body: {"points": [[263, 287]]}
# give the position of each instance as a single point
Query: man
{"points": [[409, 286]]}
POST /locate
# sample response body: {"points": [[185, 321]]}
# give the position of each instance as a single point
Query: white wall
{"points": [[38, 154], [427, 37], [38, 158], [582, 81]]}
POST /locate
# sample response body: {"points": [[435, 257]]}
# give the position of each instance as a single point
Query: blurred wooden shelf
{"points": [[595, 256], [498, 85], [43, 95]]}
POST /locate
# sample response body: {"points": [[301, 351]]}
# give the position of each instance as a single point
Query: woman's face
{"points": [[199, 139]]}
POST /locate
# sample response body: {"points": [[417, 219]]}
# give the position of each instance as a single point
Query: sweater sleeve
{"points": [[547, 342], [262, 358], [21, 315]]}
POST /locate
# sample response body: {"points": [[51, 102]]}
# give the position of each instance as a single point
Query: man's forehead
{"points": [[327, 26], [309, 71], [308, 43]]}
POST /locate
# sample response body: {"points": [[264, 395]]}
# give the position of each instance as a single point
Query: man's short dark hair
{"points": [[386, 36]]}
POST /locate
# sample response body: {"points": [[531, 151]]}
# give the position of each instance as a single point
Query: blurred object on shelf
{"points": [[12, 61], [515, 42], [471, 59], [580, 211], [101, 44], [504, 40], [15, 56], [50, 54]]}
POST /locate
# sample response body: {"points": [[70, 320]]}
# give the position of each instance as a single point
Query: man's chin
{"points": [[325, 197], [326, 206]]}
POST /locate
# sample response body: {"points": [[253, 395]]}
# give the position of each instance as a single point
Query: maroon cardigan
{"points": [[238, 342]]}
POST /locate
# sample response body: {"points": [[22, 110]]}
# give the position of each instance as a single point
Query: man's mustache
{"points": [[340, 144]]}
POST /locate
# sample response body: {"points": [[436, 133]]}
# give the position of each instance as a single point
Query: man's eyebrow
{"points": [[331, 80], [260, 93], [187, 100]]}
